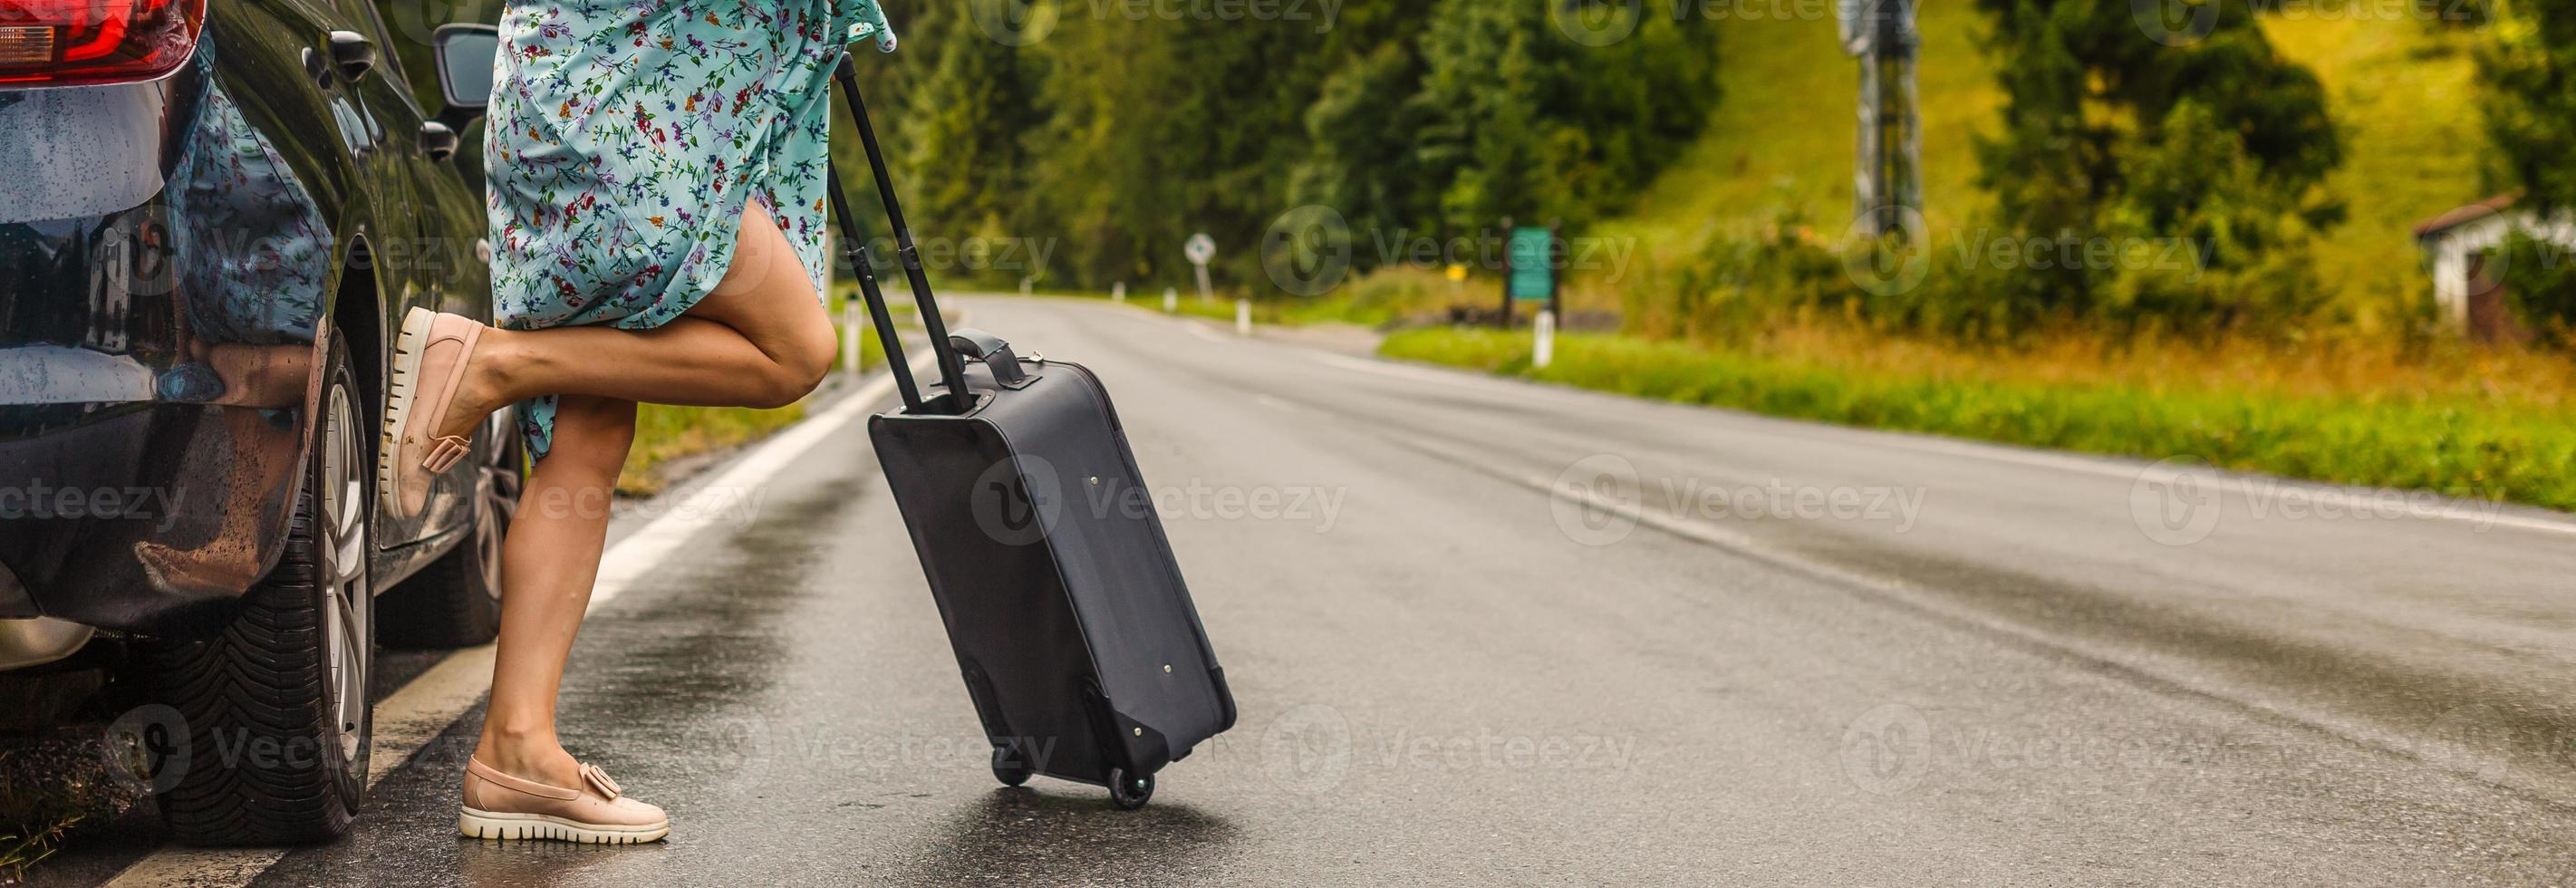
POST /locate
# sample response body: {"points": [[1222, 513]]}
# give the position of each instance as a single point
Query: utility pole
{"points": [[1887, 183]]}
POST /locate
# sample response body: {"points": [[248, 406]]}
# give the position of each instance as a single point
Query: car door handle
{"points": [[353, 54], [438, 140]]}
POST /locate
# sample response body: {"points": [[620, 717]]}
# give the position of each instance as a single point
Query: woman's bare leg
{"points": [[547, 566], [761, 339]]}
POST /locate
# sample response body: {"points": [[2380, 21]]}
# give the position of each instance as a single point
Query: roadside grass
{"points": [[665, 434], [51, 784], [2483, 425], [23, 848]]}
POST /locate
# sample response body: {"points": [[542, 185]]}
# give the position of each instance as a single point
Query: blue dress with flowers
{"points": [[626, 139]]}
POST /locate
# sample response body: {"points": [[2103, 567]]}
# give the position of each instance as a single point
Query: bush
{"points": [[2540, 280], [1732, 286]]}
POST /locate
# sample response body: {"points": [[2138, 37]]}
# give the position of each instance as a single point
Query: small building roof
{"points": [[2434, 227]]}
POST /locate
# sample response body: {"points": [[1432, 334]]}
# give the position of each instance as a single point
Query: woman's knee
{"points": [[593, 432], [810, 358], [797, 363]]}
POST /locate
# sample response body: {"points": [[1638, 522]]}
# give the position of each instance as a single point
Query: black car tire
{"points": [[456, 600], [277, 720]]}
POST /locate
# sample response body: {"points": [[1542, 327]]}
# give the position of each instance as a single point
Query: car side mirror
{"points": [[466, 55]]}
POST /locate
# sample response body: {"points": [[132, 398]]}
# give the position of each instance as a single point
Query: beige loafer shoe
{"points": [[429, 362], [499, 806]]}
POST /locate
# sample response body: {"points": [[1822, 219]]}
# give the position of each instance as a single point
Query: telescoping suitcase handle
{"points": [[951, 366]]}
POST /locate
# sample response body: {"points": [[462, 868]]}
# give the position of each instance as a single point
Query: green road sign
{"points": [[1533, 279]]}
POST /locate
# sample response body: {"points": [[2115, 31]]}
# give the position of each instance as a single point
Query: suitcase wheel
{"points": [[1008, 768], [1129, 792]]}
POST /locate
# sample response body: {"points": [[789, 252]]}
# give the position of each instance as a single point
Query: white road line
{"points": [[411, 717], [740, 487], [422, 709], [2480, 514]]}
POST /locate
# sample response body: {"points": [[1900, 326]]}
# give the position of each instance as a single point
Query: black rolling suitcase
{"points": [[1079, 643]]}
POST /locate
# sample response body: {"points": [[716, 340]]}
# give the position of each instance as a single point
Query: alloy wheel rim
{"points": [[343, 546]]}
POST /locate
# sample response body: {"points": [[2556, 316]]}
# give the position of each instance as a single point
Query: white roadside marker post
{"points": [[1118, 292], [1027, 284], [850, 337], [1171, 299], [1544, 353], [1242, 317]]}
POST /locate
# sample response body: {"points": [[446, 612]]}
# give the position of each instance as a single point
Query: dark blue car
{"points": [[209, 210]]}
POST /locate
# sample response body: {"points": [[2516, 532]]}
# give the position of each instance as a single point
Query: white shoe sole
{"points": [[398, 399], [475, 824]]}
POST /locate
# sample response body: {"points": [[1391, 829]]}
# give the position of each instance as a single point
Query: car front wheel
{"points": [[275, 710], [456, 600]]}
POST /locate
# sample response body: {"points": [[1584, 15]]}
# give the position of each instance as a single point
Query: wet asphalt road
{"points": [[1491, 633]]}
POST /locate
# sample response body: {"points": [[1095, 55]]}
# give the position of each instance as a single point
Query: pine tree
{"points": [[2529, 62], [964, 130], [2120, 128], [2530, 66]]}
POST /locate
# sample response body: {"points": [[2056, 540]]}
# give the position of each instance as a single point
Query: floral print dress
{"points": [[626, 139]]}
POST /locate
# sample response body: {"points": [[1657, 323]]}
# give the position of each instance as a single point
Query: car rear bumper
{"points": [[150, 518], [158, 308]]}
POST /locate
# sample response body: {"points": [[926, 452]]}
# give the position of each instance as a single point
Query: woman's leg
{"points": [[761, 339], [547, 566]]}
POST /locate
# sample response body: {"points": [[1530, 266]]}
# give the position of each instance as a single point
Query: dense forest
{"points": [[1103, 134]]}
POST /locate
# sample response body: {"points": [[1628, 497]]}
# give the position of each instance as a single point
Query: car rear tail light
{"points": [[66, 42]]}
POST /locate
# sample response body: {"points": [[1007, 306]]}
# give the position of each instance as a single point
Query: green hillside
{"points": [[2405, 94], [1781, 139]]}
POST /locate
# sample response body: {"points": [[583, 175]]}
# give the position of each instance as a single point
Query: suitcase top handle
{"points": [[990, 349], [951, 366]]}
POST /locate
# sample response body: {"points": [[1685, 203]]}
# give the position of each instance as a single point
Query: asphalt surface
{"points": [[1484, 632]]}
